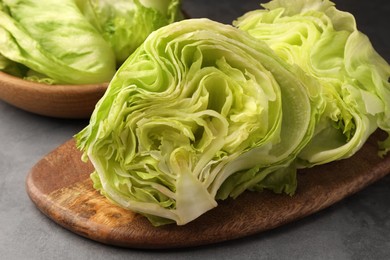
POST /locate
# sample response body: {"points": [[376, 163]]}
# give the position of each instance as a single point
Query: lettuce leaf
{"points": [[53, 38], [199, 112]]}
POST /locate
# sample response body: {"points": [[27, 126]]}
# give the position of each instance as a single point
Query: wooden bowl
{"points": [[61, 101]]}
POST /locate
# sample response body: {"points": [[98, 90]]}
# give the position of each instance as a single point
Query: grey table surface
{"points": [[355, 228]]}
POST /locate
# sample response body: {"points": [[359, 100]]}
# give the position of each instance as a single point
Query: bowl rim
{"points": [[20, 83], [51, 100]]}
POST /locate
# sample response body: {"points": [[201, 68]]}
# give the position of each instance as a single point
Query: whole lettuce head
{"points": [[200, 112], [51, 41], [125, 24], [326, 44]]}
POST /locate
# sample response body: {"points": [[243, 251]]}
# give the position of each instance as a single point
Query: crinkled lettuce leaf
{"points": [[54, 39], [200, 111], [327, 45], [125, 24]]}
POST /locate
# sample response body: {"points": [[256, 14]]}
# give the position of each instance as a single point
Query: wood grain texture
{"points": [[60, 187], [61, 101]]}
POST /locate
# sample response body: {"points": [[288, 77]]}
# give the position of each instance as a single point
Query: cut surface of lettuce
{"points": [[125, 24], [53, 38], [327, 45], [200, 112]]}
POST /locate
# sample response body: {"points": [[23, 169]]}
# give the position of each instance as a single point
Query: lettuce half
{"points": [[200, 112], [327, 45]]}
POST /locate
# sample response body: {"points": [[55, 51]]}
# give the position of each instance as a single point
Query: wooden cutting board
{"points": [[60, 187]]}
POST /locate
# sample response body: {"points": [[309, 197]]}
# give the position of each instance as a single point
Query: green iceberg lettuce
{"points": [[200, 112], [76, 41], [327, 45], [125, 24], [53, 42]]}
